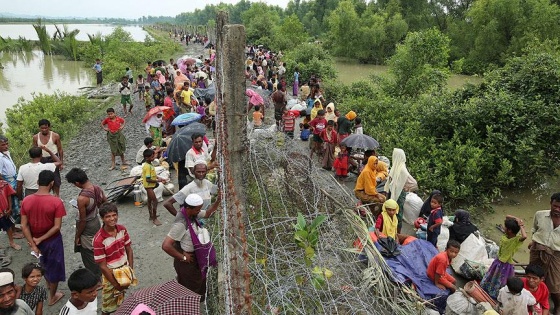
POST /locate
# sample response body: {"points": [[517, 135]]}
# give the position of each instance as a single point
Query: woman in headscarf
{"points": [[317, 106], [387, 221], [329, 115], [365, 189], [254, 100], [400, 181], [426, 208], [153, 128], [160, 77], [180, 78], [462, 226]]}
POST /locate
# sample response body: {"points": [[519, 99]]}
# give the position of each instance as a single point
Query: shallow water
{"points": [[33, 72]]}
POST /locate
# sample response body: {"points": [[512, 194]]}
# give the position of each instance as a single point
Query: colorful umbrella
{"points": [[169, 298], [182, 142], [167, 112], [185, 119]]}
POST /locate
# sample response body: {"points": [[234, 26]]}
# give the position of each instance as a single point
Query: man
{"points": [[280, 101], [345, 124], [198, 152], [41, 219], [9, 305], [51, 140], [200, 186], [148, 144], [545, 247], [185, 262], [29, 173], [8, 172], [91, 197], [113, 252], [98, 71]]}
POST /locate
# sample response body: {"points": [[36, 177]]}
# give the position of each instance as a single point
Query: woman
{"points": [[185, 262], [180, 78], [365, 189], [153, 128], [462, 226], [254, 100], [400, 181], [160, 77]]}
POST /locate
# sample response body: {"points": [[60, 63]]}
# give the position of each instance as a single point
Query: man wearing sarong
{"points": [[91, 197], [41, 219], [545, 247], [114, 125], [51, 144], [8, 171]]}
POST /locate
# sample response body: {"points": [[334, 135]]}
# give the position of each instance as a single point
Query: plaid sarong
{"points": [[113, 298]]}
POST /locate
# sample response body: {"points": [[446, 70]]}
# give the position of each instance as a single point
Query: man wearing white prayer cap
{"points": [[185, 261], [9, 305]]}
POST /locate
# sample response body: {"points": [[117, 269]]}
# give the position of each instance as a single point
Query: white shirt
{"points": [[29, 173], [191, 157], [126, 91], [70, 309], [140, 153], [204, 190], [515, 304], [7, 166]]}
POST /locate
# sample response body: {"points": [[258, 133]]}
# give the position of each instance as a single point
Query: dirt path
{"points": [[90, 151]]}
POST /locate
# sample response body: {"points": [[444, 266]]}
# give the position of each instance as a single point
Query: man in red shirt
{"points": [[41, 219], [114, 125]]}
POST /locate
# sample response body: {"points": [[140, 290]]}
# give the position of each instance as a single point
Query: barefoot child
{"points": [[140, 87], [435, 219], [32, 293], [502, 267], [6, 220], [150, 180], [125, 90], [114, 125], [437, 268]]}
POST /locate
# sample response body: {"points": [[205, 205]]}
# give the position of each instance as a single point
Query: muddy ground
{"points": [[90, 151]]}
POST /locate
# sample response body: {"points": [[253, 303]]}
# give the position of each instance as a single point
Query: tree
{"points": [[259, 22], [343, 23], [420, 63], [288, 34]]}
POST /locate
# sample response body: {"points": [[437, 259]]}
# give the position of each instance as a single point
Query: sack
{"points": [[389, 247], [205, 253]]}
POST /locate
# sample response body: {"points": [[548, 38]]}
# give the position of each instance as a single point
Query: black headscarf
{"points": [[462, 226], [426, 207]]}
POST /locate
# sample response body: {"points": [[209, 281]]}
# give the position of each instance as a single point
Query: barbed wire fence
{"points": [[266, 183]]}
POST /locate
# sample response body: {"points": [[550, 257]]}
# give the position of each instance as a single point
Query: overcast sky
{"points": [[129, 9]]}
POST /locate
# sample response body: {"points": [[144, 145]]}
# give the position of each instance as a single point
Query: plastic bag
{"points": [[411, 208]]}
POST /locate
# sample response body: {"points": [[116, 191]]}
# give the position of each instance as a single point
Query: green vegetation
{"points": [[59, 108]]}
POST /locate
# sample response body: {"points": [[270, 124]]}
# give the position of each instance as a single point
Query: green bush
{"points": [[66, 113]]}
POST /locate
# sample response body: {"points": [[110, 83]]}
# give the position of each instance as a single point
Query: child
{"points": [[295, 89], [330, 139], [83, 285], [32, 293], [534, 283], [435, 219], [341, 163], [150, 181], [117, 142], [502, 267], [305, 133], [125, 91], [387, 221], [288, 123], [113, 253], [257, 117], [358, 129], [514, 299], [6, 220], [317, 126], [140, 87], [437, 268], [147, 98]]}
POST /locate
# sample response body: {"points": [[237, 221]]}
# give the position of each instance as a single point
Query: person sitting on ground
{"points": [[387, 222], [462, 226], [534, 283], [257, 117], [83, 285], [435, 220], [148, 144], [437, 268], [10, 304], [514, 299], [305, 133], [365, 189]]}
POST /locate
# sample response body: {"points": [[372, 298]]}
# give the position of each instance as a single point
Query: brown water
{"points": [[33, 72]]}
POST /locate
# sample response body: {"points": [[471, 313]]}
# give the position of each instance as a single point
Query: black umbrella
{"points": [[162, 61], [360, 141], [182, 142]]}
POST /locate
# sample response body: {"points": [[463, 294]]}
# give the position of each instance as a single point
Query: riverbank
{"points": [[89, 150]]}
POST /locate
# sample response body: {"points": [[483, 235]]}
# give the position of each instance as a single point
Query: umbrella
{"points": [[182, 142], [169, 298], [167, 112], [162, 61], [185, 119], [360, 141]]}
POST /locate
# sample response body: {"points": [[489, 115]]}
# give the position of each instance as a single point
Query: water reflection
{"points": [[32, 72]]}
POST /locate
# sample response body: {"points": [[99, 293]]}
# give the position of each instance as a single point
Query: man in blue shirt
{"points": [[98, 71]]}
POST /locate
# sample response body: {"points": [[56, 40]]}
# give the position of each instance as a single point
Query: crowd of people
{"points": [[382, 190]]}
